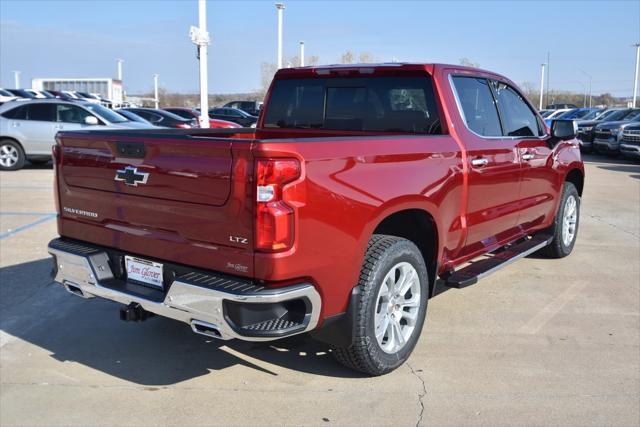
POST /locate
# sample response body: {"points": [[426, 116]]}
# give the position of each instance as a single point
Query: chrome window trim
{"points": [[464, 119]]}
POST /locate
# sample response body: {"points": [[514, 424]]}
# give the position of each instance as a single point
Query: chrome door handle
{"points": [[527, 156], [479, 162], [58, 127]]}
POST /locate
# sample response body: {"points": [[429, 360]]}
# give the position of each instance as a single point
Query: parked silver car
{"points": [[28, 128]]}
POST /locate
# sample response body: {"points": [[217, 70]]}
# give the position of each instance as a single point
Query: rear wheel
{"points": [[565, 228], [11, 155], [391, 308]]}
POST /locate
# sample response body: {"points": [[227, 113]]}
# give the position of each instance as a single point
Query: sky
{"points": [[84, 38]]}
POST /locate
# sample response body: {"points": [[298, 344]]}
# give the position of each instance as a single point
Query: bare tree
{"points": [[469, 63], [527, 87], [365, 58], [267, 71], [347, 57]]}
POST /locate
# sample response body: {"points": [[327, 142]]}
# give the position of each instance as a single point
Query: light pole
{"points": [[590, 81], [16, 79], [546, 92], [200, 37], [155, 85], [635, 80], [280, 7], [301, 53], [584, 87], [541, 84], [120, 61]]}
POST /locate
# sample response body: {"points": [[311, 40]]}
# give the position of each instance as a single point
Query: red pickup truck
{"points": [[361, 189]]}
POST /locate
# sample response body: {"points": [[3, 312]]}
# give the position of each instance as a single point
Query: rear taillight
{"points": [[275, 219], [56, 152]]}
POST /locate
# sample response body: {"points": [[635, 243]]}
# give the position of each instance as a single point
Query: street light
{"points": [[635, 80], [280, 7], [16, 79], [590, 81], [301, 53], [200, 37], [541, 84], [155, 85], [584, 86], [120, 61]]}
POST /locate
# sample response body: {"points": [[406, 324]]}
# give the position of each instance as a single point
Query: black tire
{"points": [[558, 248], [9, 146], [365, 353]]}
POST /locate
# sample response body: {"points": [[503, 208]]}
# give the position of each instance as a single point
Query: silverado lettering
{"points": [[361, 190]]}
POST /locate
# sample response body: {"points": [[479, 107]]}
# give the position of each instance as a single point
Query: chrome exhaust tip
{"points": [[204, 328], [76, 290]]}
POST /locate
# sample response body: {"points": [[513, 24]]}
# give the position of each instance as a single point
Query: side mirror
{"points": [[90, 120], [563, 130]]}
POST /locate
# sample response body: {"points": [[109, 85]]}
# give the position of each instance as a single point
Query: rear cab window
{"points": [[381, 104]]}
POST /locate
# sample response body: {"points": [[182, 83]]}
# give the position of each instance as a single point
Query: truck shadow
{"points": [[156, 352], [615, 164]]}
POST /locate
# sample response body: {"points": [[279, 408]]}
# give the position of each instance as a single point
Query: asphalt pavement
{"points": [[541, 342]]}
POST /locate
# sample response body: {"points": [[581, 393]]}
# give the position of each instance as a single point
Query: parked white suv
{"points": [[28, 129]]}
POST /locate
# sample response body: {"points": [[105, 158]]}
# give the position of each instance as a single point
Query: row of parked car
{"points": [[28, 125], [7, 95], [611, 131]]}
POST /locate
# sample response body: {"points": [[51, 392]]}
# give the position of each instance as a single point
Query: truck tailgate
{"points": [[180, 169], [177, 198]]}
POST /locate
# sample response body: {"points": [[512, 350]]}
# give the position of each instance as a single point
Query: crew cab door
{"points": [[494, 167], [519, 122]]}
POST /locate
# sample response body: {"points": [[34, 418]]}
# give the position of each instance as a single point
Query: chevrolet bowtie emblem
{"points": [[131, 176]]}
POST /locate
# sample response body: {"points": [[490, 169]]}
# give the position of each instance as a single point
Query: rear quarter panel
{"points": [[349, 185]]}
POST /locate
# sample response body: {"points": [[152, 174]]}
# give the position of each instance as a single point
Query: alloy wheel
{"points": [[8, 155], [569, 220], [397, 307]]}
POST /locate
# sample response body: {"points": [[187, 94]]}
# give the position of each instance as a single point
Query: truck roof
{"points": [[385, 68]]}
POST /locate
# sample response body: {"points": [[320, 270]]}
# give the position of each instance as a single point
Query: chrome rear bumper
{"points": [[206, 302]]}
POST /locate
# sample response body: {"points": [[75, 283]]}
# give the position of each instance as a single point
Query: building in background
{"points": [[108, 88]]}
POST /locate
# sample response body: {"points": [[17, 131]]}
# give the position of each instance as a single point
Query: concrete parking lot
{"points": [[541, 342]]}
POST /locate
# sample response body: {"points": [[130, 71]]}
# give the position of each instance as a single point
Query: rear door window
{"points": [[384, 104], [41, 112], [478, 106], [153, 118], [182, 113]]}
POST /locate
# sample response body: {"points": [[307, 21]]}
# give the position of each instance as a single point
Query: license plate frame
{"points": [[144, 272]]}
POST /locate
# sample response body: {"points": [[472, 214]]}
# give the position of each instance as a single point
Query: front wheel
{"points": [[391, 309], [565, 227]]}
